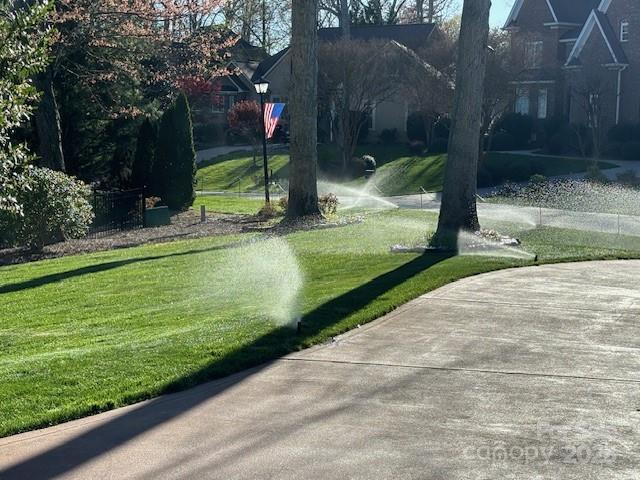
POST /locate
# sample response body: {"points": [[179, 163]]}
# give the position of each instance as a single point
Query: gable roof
{"points": [[268, 64], [599, 22], [573, 12], [413, 36]]}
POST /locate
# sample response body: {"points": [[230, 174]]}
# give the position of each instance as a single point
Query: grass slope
{"points": [[87, 333], [399, 172], [237, 172], [228, 204]]}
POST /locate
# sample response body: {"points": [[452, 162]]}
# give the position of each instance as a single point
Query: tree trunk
{"points": [[431, 11], [341, 130], [48, 124], [345, 19], [458, 211], [303, 188], [420, 11], [343, 146]]}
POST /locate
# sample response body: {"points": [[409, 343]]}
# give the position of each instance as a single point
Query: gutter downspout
{"points": [[619, 94]]}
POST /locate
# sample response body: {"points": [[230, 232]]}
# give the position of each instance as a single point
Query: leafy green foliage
{"points": [[175, 165], [23, 53], [55, 207], [145, 154]]}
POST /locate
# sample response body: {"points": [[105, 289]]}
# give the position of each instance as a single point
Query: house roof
{"points": [[573, 11], [571, 34], [268, 63], [562, 11], [413, 36], [613, 41], [598, 22]]}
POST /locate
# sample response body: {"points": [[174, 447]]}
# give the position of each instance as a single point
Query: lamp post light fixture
{"points": [[262, 86]]}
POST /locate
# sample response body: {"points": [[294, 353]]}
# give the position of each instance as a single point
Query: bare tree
{"points": [[458, 211], [303, 188], [336, 11], [435, 10], [594, 92], [429, 82], [498, 92], [428, 11], [266, 23], [370, 72]]}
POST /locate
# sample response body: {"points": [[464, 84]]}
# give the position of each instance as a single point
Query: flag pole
{"points": [[261, 87], [264, 152]]}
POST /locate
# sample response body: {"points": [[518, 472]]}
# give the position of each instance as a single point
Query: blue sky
{"points": [[499, 11]]}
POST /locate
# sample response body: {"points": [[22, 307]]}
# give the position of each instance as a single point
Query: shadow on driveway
{"points": [[121, 429]]}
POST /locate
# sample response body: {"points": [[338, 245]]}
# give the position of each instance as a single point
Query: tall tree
{"points": [[266, 23], [498, 90], [118, 55], [47, 121], [145, 154], [458, 211], [175, 162], [23, 52], [303, 188], [368, 72]]}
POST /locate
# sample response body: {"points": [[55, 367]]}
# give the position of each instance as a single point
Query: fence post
{"points": [[144, 206], [203, 214], [540, 217]]}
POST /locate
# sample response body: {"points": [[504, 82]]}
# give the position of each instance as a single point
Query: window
{"points": [[217, 105], [370, 123], [230, 101], [533, 54], [522, 101], [624, 31], [543, 95]]}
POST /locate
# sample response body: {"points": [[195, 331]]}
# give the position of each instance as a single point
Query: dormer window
{"points": [[624, 31]]}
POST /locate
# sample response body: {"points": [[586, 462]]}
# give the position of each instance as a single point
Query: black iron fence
{"points": [[117, 211]]}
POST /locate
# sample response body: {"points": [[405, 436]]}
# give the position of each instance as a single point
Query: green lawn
{"points": [[228, 204], [88, 333], [399, 172], [237, 172]]}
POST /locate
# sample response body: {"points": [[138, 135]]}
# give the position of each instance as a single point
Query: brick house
{"points": [[559, 46]]}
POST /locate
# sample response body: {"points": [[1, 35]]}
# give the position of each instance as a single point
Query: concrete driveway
{"points": [[522, 374]]}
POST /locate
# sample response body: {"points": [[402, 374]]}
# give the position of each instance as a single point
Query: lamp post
{"points": [[261, 87]]}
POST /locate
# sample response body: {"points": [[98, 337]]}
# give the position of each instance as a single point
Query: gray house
{"points": [[389, 114]]}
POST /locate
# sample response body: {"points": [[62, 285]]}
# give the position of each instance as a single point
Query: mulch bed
{"points": [[183, 226]]}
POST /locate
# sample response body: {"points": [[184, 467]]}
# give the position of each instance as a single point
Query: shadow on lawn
{"points": [[121, 429], [102, 267]]}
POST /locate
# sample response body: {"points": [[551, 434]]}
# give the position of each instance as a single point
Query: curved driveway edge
{"points": [[519, 374]]}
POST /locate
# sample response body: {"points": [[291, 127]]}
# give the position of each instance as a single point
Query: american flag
{"points": [[272, 113]]}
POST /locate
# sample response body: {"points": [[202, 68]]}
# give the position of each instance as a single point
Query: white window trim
{"points": [[543, 107], [523, 94], [534, 54], [624, 31]]}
